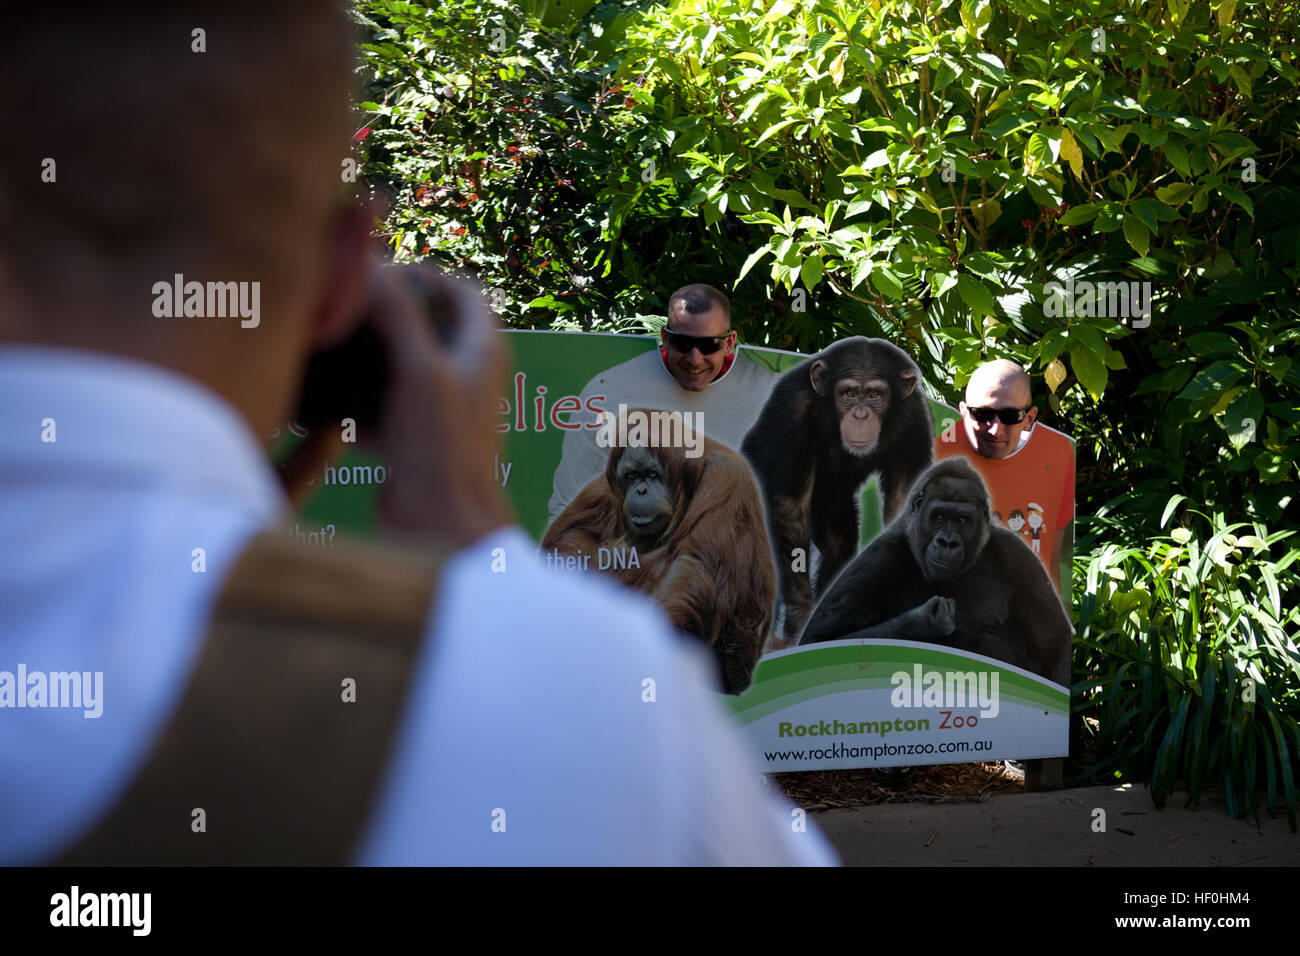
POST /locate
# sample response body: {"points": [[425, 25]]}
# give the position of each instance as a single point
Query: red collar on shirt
{"points": [[726, 363]]}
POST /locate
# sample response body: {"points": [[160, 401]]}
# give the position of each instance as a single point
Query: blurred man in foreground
{"points": [[236, 698]]}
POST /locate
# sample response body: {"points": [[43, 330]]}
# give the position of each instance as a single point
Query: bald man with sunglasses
{"points": [[698, 367], [1026, 466], [1029, 470]]}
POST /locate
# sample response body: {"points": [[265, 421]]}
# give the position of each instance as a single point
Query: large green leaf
{"points": [[812, 271], [1136, 233], [1213, 379], [754, 257], [1090, 368], [976, 295], [1242, 418], [886, 282]]}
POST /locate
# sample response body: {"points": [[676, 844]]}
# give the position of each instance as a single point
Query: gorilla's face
{"points": [[647, 497], [949, 527]]}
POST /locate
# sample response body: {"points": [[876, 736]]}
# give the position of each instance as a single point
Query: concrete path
{"points": [[1056, 829]]}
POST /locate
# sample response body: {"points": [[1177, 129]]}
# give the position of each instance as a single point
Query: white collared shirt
{"points": [[528, 693]]}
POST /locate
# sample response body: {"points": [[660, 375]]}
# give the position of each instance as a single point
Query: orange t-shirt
{"points": [[1032, 491]]}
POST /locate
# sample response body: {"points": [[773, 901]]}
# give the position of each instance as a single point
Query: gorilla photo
{"points": [[701, 551], [852, 410], [943, 574]]}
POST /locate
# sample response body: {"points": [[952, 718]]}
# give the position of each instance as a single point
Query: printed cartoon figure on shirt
{"points": [[997, 519], [1016, 521], [1035, 520]]}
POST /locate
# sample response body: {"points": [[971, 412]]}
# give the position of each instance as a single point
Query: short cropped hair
{"points": [[178, 149], [699, 298]]}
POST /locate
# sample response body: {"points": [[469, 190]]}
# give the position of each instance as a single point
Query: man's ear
{"points": [[344, 293], [1031, 416]]}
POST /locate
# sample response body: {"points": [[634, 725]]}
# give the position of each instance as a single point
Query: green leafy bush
{"points": [[946, 174], [1190, 668], [922, 171], [484, 120]]}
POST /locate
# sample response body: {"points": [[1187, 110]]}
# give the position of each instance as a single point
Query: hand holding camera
{"points": [[419, 376]]}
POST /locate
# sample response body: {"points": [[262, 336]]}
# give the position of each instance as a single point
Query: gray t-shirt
{"points": [[728, 409]]}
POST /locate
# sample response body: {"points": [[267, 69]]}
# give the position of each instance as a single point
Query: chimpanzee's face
{"points": [[861, 407], [861, 394]]}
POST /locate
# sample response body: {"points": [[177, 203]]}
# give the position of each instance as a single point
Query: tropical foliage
{"points": [[1105, 191]]}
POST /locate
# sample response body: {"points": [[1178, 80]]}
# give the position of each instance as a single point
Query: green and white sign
{"points": [[854, 702], [883, 703]]}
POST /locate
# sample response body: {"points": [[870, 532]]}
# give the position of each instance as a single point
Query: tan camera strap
{"points": [[283, 734]]}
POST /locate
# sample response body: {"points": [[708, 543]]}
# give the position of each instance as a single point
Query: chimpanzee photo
{"points": [[853, 410], [943, 574]]}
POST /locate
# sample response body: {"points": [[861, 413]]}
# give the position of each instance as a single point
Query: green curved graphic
{"points": [[788, 679]]}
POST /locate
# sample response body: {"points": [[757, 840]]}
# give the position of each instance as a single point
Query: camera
{"points": [[349, 380]]}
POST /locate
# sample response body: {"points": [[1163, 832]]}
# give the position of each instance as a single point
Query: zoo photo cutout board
{"points": [[616, 470]]}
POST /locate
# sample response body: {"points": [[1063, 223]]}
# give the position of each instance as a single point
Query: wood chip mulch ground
{"points": [[946, 783]]}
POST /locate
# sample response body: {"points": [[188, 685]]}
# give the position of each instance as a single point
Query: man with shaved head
{"points": [[1029, 469], [1001, 386], [181, 682]]}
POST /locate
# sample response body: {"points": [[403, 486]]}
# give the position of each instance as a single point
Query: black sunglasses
{"points": [[1007, 416], [707, 344]]}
